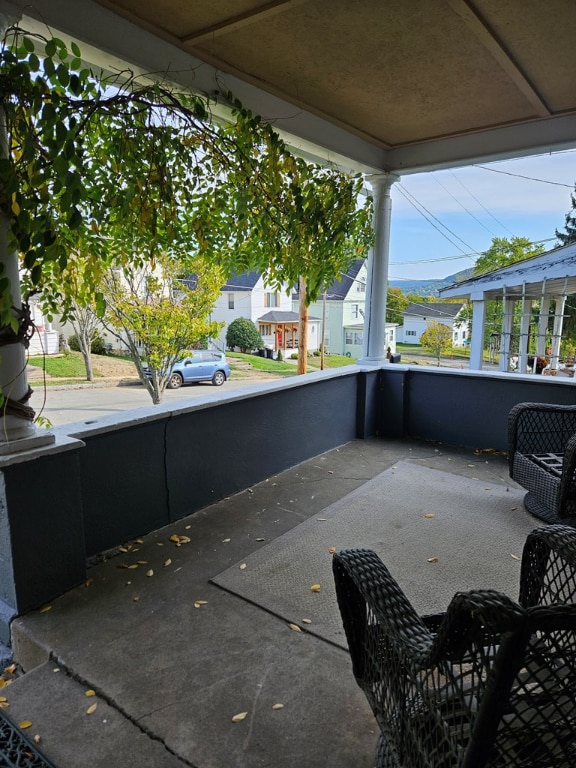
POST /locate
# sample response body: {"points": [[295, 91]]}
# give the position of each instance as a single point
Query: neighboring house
{"points": [[45, 339], [417, 318], [342, 307], [247, 295]]}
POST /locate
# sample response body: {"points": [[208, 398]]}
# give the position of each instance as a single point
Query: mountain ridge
{"points": [[432, 286]]}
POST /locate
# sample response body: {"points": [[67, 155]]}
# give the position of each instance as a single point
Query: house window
{"points": [[265, 330], [230, 301], [355, 311], [361, 287], [410, 333], [354, 337], [271, 299], [326, 338]]}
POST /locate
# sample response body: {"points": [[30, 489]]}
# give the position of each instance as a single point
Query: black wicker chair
{"points": [[491, 682], [542, 459]]}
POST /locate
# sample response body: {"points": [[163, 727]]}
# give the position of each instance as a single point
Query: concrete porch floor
{"points": [[168, 677]]}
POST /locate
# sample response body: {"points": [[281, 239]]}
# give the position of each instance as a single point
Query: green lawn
{"points": [[285, 367], [69, 366], [262, 363]]}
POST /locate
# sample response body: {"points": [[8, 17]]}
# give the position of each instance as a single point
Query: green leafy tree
{"points": [[159, 317], [242, 333], [437, 339], [569, 234], [505, 251], [115, 172]]}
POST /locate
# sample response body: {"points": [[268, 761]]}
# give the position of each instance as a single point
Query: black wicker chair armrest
{"points": [[540, 428], [548, 567], [368, 595]]}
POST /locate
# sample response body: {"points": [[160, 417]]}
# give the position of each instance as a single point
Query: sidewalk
{"points": [[170, 671]]}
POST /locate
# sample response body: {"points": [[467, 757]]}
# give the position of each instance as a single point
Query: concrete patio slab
{"points": [[173, 658]]}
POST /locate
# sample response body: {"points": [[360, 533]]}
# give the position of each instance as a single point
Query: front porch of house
{"points": [[173, 657], [110, 554]]}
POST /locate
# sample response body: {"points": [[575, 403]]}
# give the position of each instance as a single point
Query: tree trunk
{"points": [[85, 344], [303, 330]]}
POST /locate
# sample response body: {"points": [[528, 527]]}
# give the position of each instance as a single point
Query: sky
{"points": [[443, 220]]}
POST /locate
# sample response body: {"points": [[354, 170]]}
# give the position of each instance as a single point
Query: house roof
{"points": [[552, 274], [431, 311], [282, 317], [339, 289], [244, 281], [393, 86]]}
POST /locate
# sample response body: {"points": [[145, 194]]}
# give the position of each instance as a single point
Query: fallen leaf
{"points": [[133, 566], [250, 490], [260, 539], [88, 582], [136, 599], [514, 557], [3, 699], [239, 717], [200, 603], [187, 527], [124, 549], [142, 562], [90, 692], [321, 519], [3, 683], [315, 588], [432, 559], [472, 465], [46, 609], [139, 541], [159, 543], [37, 739], [4, 705], [295, 627], [150, 572], [513, 509], [332, 550], [185, 540], [330, 471], [24, 724], [167, 563], [277, 706], [11, 669], [243, 566], [306, 621], [175, 538], [92, 708], [430, 515], [225, 541]]}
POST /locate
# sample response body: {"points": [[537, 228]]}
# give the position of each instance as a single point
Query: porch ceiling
{"points": [[392, 85]]}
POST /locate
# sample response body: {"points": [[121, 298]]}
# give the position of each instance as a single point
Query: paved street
{"points": [[68, 404]]}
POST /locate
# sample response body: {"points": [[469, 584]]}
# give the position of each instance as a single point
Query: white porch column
{"points": [[477, 340], [507, 322], [16, 417], [557, 332], [524, 335], [374, 349], [543, 326]]}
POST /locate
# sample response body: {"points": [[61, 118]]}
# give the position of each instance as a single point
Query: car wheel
{"points": [[175, 381], [219, 378]]}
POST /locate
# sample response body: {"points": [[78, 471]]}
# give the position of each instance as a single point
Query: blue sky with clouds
{"points": [[439, 217]]}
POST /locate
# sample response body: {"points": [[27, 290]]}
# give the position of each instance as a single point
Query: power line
{"points": [[428, 216], [480, 204], [528, 178], [437, 180]]}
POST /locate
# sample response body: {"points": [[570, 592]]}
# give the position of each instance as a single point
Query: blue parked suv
{"points": [[200, 365]]}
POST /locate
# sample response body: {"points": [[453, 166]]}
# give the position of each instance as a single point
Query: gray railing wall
{"points": [[122, 476]]}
